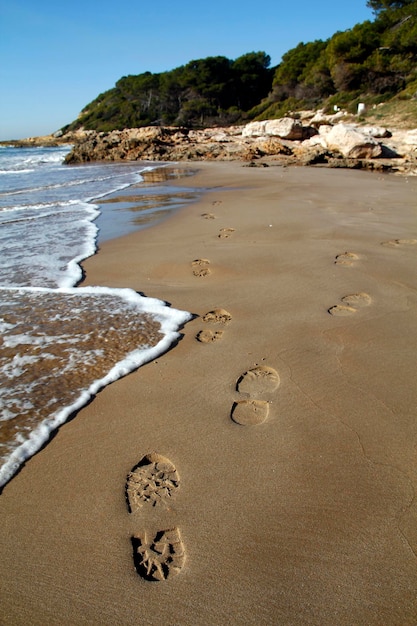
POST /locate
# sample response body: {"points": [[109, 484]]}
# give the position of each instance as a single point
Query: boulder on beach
{"points": [[285, 128], [352, 143]]}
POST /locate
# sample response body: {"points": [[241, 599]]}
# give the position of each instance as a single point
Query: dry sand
{"points": [[288, 492]]}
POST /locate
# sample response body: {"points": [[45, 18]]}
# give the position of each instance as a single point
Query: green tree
{"points": [[303, 72], [251, 79], [208, 78], [381, 5], [296, 62]]}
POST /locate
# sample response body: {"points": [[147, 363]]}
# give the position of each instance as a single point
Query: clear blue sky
{"points": [[55, 57]]}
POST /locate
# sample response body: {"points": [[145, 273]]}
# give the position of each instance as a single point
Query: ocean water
{"points": [[59, 343]]}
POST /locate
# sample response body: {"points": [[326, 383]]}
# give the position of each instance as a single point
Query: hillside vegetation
{"points": [[373, 62]]}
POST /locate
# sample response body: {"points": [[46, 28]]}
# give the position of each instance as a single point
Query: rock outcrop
{"points": [[310, 140], [352, 142], [285, 128], [157, 144]]}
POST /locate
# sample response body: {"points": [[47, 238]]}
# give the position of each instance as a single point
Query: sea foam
{"points": [[80, 338], [62, 344]]}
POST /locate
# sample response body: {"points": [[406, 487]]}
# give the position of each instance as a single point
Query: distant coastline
{"points": [[43, 141]]}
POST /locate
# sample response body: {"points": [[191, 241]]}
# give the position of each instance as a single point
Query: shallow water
{"points": [[59, 344]]}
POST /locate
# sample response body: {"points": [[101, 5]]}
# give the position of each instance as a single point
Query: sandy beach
{"points": [[277, 439]]}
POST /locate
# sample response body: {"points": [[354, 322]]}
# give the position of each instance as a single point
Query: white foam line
{"points": [[43, 205], [75, 272], [16, 171], [170, 319], [75, 183]]}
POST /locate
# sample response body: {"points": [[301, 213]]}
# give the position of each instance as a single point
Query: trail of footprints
{"points": [[350, 303], [252, 386], [155, 480], [211, 216], [201, 267]]}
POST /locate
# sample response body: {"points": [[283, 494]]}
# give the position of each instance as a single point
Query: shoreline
{"points": [[74, 344], [143, 204], [306, 517]]}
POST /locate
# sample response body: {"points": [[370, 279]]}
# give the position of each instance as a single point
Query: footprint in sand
{"points": [[201, 267], [346, 258], [216, 202], [209, 336], [350, 304], [341, 310], [160, 556], [225, 233], [357, 299], [153, 481], [259, 380], [250, 412], [256, 382], [216, 316], [208, 216], [396, 243]]}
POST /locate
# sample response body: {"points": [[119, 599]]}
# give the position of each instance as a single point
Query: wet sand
{"points": [[263, 471]]}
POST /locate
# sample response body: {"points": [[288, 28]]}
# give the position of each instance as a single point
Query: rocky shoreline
{"points": [[309, 138]]}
